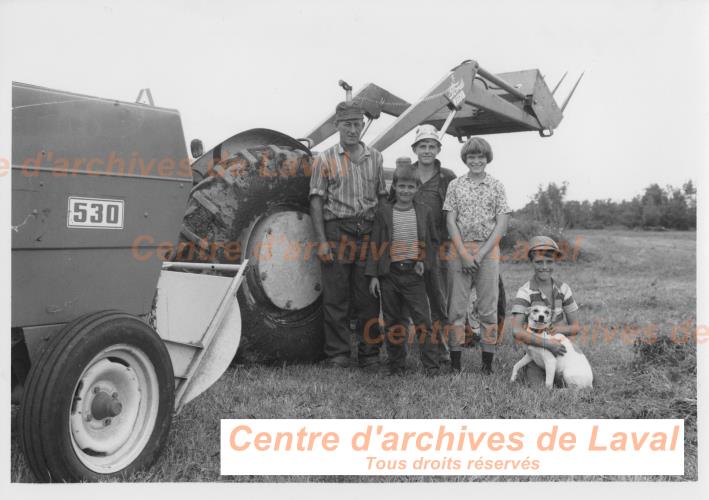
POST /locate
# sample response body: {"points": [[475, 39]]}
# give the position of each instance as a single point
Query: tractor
{"points": [[251, 194], [126, 305]]}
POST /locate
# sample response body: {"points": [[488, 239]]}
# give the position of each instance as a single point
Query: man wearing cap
{"points": [[346, 184], [432, 193]]}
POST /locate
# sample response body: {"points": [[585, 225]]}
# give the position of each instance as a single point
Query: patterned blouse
{"points": [[477, 204]]}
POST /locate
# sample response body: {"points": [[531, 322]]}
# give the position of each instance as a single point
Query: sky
{"points": [[639, 115]]}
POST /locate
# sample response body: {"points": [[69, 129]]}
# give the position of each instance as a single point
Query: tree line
{"points": [[657, 208]]}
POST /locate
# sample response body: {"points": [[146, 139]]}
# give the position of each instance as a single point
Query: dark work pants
{"points": [[406, 288], [436, 289], [344, 283], [434, 279]]}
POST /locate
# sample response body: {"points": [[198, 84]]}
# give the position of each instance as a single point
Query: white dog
{"points": [[572, 367]]}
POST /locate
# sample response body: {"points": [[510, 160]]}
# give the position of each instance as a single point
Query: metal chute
{"points": [[198, 318]]}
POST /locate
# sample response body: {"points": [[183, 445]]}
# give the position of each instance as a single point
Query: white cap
{"points": [[426, 132]]}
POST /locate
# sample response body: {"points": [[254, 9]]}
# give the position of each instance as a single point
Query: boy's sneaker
{"points": [[337, 362], [455, 362], [370, 366], [487, 363]]}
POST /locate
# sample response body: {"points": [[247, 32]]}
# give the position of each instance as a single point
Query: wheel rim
{"points": [[287, 269], [114, 408]]}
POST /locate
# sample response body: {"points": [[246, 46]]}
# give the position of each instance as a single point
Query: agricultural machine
{"points": [[126, 306]]}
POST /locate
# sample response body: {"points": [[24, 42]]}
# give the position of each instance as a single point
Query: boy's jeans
{"points": [[399, 288], [436, 290], [486, 285]]}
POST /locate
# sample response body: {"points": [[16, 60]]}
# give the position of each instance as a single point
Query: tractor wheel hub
{"points": [[284, 249]]}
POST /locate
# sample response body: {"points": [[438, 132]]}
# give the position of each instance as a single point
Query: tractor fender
{"points": [[255, 206], [204, 165]]}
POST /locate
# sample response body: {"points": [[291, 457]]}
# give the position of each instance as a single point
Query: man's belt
{"points": [[356, 226], [351, 220]]}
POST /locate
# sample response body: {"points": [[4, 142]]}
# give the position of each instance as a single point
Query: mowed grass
{"points": [[629, 285]]}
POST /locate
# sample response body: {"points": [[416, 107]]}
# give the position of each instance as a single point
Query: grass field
{"points": [[628, 285]]}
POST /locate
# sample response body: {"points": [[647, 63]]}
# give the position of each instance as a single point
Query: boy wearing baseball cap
{"points": [[543, 253]]}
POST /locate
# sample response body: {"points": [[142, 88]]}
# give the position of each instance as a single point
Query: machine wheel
{"points": [[98, 403], [255, 206]]}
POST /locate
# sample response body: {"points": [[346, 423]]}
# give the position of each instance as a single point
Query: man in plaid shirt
{"points": [[346, 185]]}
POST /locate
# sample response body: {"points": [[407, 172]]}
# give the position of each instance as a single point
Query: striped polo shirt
{"points": [[405, 244], [349, 189], [563, 299]]}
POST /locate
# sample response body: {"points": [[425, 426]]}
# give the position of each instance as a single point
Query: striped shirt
{"points": [[349, 189], [563, 299], [477, 204], [405, 239]]}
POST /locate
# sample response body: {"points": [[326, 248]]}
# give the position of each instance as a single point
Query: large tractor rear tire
{"points": [[255, 206], [98, 402]]}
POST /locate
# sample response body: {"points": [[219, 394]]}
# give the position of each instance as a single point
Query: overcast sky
{"points": [[639, 115]]}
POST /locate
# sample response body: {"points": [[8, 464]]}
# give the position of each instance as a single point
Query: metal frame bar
{"points": [[446, 124], [501, 83], [494, 104], [455, 85], [196, 266]]}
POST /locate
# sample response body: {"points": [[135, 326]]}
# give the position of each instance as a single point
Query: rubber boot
{"points": [[487, 363], [455, 361]]}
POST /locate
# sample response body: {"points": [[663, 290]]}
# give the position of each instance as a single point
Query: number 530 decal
{"points": [[95, 212]]}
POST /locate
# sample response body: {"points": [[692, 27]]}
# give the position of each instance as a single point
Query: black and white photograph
{"points": [[246, 242]]}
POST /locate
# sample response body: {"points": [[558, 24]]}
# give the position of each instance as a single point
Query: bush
{"points": [[521, 229], [669, 207], [663, 351]]}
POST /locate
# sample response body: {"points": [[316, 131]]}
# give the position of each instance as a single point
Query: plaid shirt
{"points": [[477, 205], [349, 189]]}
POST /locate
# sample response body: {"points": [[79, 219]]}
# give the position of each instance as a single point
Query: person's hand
{"points": [[470, 263], [556, 347], [325, 253], [419, 268], [374, 287]]}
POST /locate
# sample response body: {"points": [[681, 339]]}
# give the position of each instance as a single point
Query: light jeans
{"points": [[460, 286]]}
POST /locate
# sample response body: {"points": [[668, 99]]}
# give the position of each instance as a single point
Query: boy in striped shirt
{"points": [[402, 247], [543, 253]]}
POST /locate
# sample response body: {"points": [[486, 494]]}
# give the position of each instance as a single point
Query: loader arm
{"points": [[375, 101], [467, 101]]}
